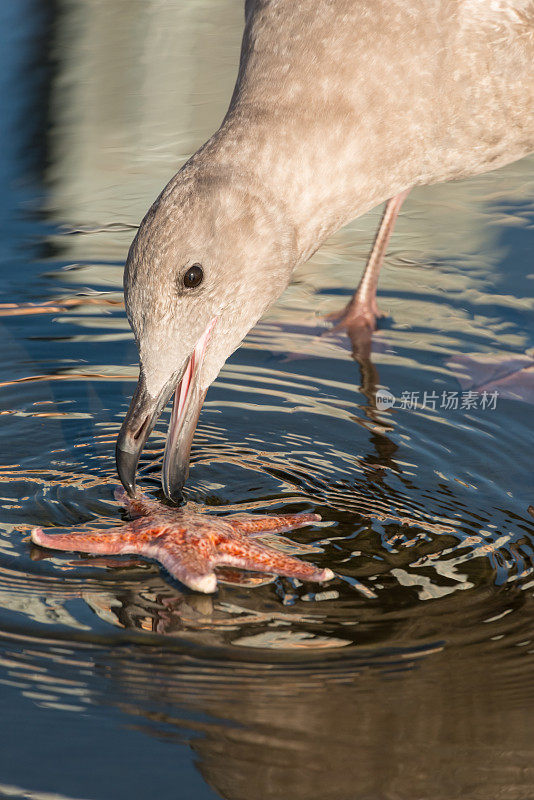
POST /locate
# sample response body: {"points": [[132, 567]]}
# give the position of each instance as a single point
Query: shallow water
{"points": [[410, 675]]}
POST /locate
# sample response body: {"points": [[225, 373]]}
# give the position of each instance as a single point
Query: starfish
{"points": [[190, 545]]}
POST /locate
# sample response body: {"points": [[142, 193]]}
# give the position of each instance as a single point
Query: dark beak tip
{"points": [[174, 492], [136, 427], [130, 489], [126, 468], [177, 498]]}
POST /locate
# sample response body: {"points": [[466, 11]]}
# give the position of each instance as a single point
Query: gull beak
{"points": [[188, 400], [143, 414]]}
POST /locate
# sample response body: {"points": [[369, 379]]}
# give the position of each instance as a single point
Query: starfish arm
{"points": [[120, 540], [271, 524], [255, 556], [187, 565]]}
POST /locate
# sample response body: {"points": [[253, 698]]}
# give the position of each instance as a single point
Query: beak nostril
{"points": [[142, 428]]}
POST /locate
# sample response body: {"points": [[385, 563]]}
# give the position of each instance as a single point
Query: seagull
{"points": [[339, 105]]}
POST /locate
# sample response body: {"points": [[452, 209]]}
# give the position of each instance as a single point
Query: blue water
{"points": [[410, 675]]}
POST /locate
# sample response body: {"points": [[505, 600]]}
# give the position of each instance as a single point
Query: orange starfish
{"points": [[191, 545]]}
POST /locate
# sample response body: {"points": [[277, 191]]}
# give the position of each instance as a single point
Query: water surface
{"points": [[410, 675]]}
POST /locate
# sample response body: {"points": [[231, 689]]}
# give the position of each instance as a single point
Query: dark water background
{"points": [[409, 676]]}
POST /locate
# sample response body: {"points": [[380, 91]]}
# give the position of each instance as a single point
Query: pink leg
{"points": [[360, 315]]}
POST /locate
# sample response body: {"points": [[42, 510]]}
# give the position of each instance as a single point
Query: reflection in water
{"points": [[409, 675], [379, 723]]}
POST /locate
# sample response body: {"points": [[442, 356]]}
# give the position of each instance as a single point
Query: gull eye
{"points": [[193, 277]]}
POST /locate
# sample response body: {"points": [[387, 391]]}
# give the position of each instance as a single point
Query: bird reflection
{"points": [[423, 720]]}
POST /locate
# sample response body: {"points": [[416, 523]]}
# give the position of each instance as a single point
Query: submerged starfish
{"points": [[191, 545]]}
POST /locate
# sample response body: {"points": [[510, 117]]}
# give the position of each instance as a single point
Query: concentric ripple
{"points": [[415, 525]]}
